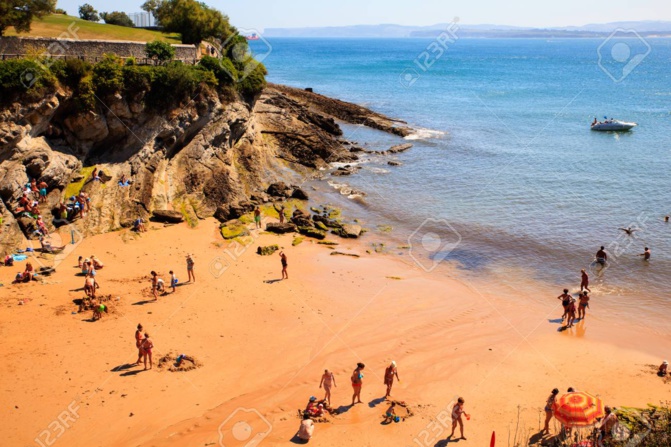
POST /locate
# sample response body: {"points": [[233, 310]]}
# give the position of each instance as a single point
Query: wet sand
{"points": [[263, 345]]}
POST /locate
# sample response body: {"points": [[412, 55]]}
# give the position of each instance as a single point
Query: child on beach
{"points": [[98, 309], [173, 281], [457, 412], [584, 281], [283, 258], [90, 286], [390, 414], [328, 379], [583, 305]]}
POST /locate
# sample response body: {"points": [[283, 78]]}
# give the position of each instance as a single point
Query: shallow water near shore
{"points": [[505, 177]]}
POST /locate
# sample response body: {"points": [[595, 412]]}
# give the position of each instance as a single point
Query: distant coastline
{"points": [[651, 29]]}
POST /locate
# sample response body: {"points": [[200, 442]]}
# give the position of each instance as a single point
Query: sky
{"points": [[261, 14]]}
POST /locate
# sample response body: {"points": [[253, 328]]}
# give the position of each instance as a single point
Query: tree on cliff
{"points": [[194, 21], [159, 51], [88, 12], [20, 13], [117, 18]]}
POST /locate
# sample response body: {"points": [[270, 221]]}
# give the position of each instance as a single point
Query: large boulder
{"points": [[281, 228], [280, 189], [301, 219], [88, 126], [331, 223], [349, 231], [299, 194], [167, 216], [312, 232]]}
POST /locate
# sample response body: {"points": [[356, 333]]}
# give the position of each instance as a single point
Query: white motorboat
{"points": [[613, 125]]}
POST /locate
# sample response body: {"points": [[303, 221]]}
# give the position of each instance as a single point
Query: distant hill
{"points": [[58, 24], [646, 28]]}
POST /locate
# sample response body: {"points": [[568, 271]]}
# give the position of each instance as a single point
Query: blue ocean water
{"points": [[505, 171]]}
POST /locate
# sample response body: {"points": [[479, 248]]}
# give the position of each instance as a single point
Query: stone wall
{"points": [[87, 48]]}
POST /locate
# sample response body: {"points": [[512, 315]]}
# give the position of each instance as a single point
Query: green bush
{"points": [[160, 51], [108, 75], [222, 69], [138, 78], [21, 75], [176, 83], [70, 71], [254, 82]]}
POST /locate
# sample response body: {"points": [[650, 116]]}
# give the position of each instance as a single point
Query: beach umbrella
{"points": [[578, 409]]}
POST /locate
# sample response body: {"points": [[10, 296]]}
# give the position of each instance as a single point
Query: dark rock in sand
{"points": [[299, 194], [168, 216], [267, 251], [281, 228], [348, 231], [301, 219], [312, 232], [326, 221]]}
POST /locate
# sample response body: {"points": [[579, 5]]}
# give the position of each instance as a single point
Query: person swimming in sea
{"points": [[602, 256]]}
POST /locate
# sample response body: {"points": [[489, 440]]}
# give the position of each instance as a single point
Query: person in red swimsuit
{"points": [[147, 346], [357, 382], [138, 343], [584, 281]]}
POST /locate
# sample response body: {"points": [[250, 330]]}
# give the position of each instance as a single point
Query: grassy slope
{"points": [[55, 25]]}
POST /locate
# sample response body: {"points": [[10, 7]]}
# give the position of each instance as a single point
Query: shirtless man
{"points": [[646, 254], [582, 305], [602, 256], [90, 286], [584, 281], [328, 379], [565, 300], [389, 374], [257, 217]]}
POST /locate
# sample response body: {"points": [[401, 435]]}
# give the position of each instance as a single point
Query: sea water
{"points": [[505, 174]]}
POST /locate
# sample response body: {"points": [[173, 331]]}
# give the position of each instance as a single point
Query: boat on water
{"points": [[612, 125], [253, 36]]}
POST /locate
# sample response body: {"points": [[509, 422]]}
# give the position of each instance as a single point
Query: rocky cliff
{"points": [[211, 156]]}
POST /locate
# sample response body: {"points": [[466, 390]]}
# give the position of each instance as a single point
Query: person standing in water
{"points": [[283, 258], [328, 380], [602, 256], [584, 281], [389, 374], [357, 382], [646, 254]]}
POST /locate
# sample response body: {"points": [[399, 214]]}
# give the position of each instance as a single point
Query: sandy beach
{"points": [[262, 345]]}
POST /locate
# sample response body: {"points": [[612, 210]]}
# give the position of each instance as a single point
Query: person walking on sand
{"points": [[646, 254], [584, 281], [389, 374], [283, 258], [565, 300], [583, 305], [189, 268], [257, 217], [357, 382], [147, 346], [138, 343], [548, 409], [154, 285], [173, 281], [328, 380], [457, 412], [602, 256]]}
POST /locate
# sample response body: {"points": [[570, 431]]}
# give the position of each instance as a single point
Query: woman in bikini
{"points": [[189, 268], [457, 412], [147, 346], [548, 409], [582, 306], [357, 382], [283, 257], [565, 301], [138, 343], [328, 380]]}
